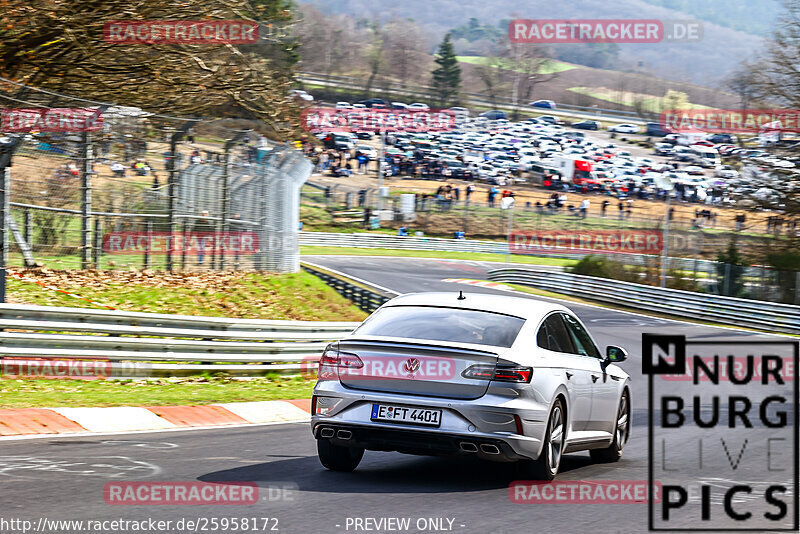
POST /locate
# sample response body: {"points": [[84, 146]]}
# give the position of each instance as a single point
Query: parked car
{"points": [[722, 138], [344, 105], [368, 151], [663, 149], [302, 95], [586, 125], [654, 129], [550, 119], [624, 128], [422, 366], [693, 170], [549, 104], [494, 114], [419, 106], [399, 105], [371, 102]]}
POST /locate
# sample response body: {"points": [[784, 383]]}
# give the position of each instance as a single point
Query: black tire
{"points": [[546, 466], [338, 458], [622, 431]]}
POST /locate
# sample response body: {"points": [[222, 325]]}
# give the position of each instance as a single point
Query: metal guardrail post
{"points": [[172, 189], [87, 169], [7, 148], [98, 243]]}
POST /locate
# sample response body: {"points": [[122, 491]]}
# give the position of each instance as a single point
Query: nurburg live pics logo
{"points": [[722, 445]]}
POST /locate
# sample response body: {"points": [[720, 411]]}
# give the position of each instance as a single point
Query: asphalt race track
{"points": [[63, 478]]}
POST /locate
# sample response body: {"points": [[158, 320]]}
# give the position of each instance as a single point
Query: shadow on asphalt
{"points": [[388, 473]]}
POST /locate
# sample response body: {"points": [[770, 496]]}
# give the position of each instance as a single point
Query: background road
{"points": [[63, 478]]}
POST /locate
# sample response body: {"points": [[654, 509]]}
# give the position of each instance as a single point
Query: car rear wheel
{"points": [[338, 458], [546, 466], [621, 433]]}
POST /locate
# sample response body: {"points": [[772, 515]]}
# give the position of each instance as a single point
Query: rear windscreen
{"points": [[443, 324]]}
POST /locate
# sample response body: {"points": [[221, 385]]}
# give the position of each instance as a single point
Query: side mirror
{"points": [[616, 354]]}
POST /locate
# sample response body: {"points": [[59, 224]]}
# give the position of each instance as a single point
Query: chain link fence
{"points": [[142, 190]]}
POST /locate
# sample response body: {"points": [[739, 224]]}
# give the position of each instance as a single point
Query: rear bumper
{"points": [[415, 441], [490, 420]]}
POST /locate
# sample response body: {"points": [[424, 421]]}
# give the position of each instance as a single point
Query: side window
{"points": [[581, 338], [553, 335]]}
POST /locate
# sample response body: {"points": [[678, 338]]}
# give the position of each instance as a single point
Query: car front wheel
{"points": [[338, 458], [621, 432]]}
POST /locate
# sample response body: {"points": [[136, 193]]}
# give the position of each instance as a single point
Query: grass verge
{"points": [[296, 296], [58, 393], [473, 256]]}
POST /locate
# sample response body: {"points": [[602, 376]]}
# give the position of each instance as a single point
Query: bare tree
{"points": [[374, 57], [405, 50], [493, 77], [777, 74], [59, 45], [529, 67], [742, 83]]}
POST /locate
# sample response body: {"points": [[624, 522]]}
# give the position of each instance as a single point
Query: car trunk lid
{"points": [[415, 368]]}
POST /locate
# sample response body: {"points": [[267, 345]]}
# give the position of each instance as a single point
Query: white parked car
{"points": [[302, 95], [344, 105], [726, 171], [624, 128], [497, 377], [368, 151], [418, 106]]}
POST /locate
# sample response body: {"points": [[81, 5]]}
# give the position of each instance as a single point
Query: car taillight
{"points": [[513, 374], [334, 358], [350, 361], [501, 373]]}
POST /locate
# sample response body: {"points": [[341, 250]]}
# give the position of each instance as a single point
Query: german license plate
{"points": [[405, 414]]}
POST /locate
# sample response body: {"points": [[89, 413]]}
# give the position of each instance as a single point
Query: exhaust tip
{"points": [[344, 434], [326, 433], [466, 446], [488, 448]]}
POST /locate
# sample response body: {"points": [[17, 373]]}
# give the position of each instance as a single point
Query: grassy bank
{"points": [[43, 393], [297, 296], [474, 256]]}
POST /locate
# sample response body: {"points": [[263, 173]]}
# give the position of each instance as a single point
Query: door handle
{"points": [[569, 375], [594, 378]]}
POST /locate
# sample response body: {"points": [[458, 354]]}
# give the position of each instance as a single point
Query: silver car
{"points": [[498, 377]]}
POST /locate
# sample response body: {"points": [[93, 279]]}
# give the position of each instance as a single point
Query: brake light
{"points": [[500, 373], [329, 357], [513, 374], [333, 358]]}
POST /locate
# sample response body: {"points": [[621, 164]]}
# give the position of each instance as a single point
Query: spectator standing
{"points": [[584, 207]]}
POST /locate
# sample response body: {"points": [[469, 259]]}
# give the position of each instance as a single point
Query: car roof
{"points": [[524, 308]]}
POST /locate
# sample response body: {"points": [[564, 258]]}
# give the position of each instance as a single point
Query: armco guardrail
{"points": [[382, 241], [500, 102], [151, 344], [759, 315], [366, 296]]}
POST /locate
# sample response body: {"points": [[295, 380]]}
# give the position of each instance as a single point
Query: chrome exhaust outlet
{"points": [[488, 448], [466, 446], [326, 433], [344, 434]]}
